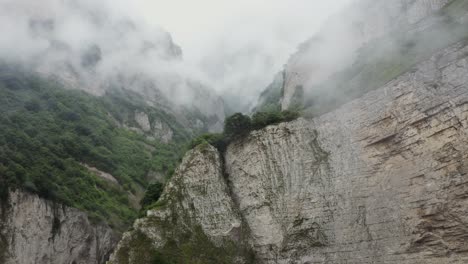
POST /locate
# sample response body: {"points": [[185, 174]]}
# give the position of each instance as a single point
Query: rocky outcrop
{"points": [[382, 179], [33, 230], [195, 220], [162, 131], [155, 130]]}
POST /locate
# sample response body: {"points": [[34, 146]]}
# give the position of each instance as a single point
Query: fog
{"points": [[240, 45], [232, 47]]}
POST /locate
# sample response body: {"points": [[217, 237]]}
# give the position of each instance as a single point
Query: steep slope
{"points": [[33, 230], [384, 39], [95, 106], [195, 221], [96, 47], [381, 179], [89, 159], [92, 153]]}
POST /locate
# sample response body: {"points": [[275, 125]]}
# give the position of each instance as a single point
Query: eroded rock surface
{"points": [[195, 220], [33, 230], [382, 179]]}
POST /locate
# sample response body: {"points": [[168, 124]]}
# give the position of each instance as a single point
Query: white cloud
{"points": [[239, 44], [235, 46]]}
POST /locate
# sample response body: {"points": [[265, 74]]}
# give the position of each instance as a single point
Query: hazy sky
{"points": [[239, 44]]}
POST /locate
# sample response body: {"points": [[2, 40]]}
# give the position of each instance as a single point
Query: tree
{"points": [[237, 124], [152, 194], [263, 119], [215, 139], [289, 115], [33, 106]]}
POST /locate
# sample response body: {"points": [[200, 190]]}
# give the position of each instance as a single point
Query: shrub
{"points": [[217, 140], [152, 194], [237, 124], [263, 119], [289, 115]]}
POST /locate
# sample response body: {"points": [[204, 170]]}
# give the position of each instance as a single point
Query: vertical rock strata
{"points": [[33, 230], [195, 220], [382, 179]]}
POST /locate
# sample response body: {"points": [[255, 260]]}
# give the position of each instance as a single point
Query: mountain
{"points": [[383, 40], [375, 172], [95, 108], [381, 179], [35, 230]]}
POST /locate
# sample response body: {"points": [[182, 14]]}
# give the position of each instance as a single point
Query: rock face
{"points": [[382, 179], [33, 230], [365, 20], [195, 220]]}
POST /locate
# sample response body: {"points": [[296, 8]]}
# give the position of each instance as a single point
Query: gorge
{"points": [[375, 169]]}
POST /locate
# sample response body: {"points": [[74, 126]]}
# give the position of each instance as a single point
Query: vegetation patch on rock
{"points": [[239, 125]]}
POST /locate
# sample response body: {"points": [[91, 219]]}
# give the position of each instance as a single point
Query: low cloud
{"points": [[233, 47]]}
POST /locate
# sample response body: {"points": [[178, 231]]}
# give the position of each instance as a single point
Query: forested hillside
{"points": [[81, 150]]}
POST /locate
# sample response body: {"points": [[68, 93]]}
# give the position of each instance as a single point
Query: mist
{"points": [[94, 45], [240, 45], [232, 48], [365, 46]]}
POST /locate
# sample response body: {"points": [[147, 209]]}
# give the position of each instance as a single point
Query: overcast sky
{"points": [[239, 44]]}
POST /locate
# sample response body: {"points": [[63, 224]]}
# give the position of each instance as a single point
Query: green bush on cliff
{"points": [[239, 125], [152, 194], [217, 140], [263, 119]]}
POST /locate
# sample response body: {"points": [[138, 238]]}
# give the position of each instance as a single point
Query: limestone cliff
{"points": [[33, 230], [195, 220], [381, 179]]}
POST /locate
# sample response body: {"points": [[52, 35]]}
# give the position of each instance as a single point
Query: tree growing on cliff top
{"points": [[236, 125]]}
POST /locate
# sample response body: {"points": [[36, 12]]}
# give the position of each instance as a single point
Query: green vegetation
{"points": [[152, 194], [217, 140], [48, 134], [263, 119], [239, 125], [187, 246], [195, 247]]}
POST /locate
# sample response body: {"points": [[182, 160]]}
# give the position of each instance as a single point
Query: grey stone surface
{"points": [[196, 199], [382, 179], [37, 231]]}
